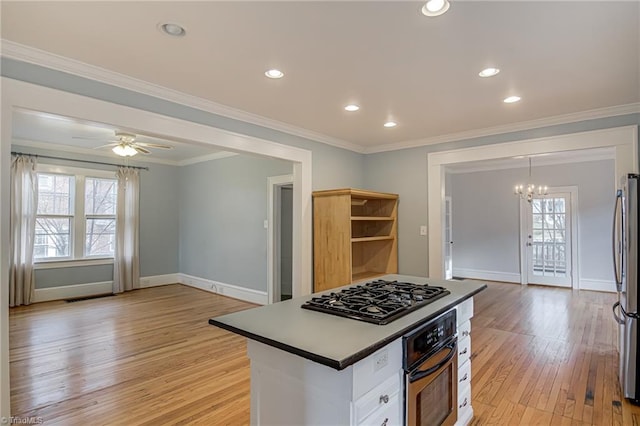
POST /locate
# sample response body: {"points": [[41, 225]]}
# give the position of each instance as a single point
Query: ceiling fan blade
{"points": [[153, 145], [94, 138], [109, 144], [140, 149]]}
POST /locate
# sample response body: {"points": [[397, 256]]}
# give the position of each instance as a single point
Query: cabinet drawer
{"points": [[464, 330], [389, 415], [465, 310], [465, 412], [464, 350], [381, 397], [464, 376]]}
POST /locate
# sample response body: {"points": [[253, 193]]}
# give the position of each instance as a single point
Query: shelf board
{"points": [[363, 239], [366, 275], [372, 218]]}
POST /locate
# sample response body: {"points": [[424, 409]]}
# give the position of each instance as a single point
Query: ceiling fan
{"points": [[127, 146]]}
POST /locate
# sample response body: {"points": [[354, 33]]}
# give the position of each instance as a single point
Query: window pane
{"points": [[101, 237], [100, 196], [53, 238], [54, 194]]}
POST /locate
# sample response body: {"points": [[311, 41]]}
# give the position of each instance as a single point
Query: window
{"points": [[76, 216]]}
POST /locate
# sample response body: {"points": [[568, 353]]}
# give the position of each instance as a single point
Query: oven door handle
{"points": [[421, 374]]}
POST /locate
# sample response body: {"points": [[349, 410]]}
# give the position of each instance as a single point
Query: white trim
{"points": [[230, 290], [72, 291], [598, 285], [158, 280], [74, 263], [273, 232], [208, 157], [20, 52], [42, 58], [624, 139], [508, 277], [579, 157], [593, 114]]}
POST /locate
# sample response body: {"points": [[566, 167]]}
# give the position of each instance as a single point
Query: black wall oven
{"points": [[431, 370]]}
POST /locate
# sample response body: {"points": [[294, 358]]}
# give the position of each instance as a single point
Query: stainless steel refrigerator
{"points": [[626, 233]]}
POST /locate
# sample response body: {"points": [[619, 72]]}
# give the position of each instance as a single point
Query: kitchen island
{"points": [[311, 367]]}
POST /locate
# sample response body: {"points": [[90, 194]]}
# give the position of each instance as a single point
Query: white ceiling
{"points": [[560, 57], [48, 131]]}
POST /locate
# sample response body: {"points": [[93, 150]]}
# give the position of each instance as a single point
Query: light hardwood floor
{"points": [[540, 356]]}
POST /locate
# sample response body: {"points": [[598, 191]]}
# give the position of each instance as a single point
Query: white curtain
{"points": [[22, 222], [126, 267]]}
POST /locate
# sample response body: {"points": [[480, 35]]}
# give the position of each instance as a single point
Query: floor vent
{"points": [[79, 299], [458, 278]]}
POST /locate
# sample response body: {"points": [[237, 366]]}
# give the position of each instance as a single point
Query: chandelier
{"points": [[527, 192]]}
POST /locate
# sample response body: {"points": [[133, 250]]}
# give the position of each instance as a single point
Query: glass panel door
{"points": [[549, 240]]}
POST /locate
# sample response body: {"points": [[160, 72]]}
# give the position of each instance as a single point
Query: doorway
{"points": [[280, 248], [549, 238], [448, 240]]}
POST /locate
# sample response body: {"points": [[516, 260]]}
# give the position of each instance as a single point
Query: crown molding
{"points": [[540, 161], [209, 157], [94, 153], [513, 127], [20, 52]]}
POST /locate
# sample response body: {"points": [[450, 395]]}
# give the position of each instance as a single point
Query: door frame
{"points": [[448, 239], [524, 253], [274, 187], [623, 139]]}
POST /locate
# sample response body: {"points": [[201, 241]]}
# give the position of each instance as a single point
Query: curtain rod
{"points": [[79, 161]]}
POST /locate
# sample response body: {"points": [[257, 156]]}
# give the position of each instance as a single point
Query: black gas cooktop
{"points": [[377, 302]]}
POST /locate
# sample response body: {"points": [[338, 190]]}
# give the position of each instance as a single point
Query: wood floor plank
{"points": [[541, 355]]}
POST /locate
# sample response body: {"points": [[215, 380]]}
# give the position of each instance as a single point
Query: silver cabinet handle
{"points": [[464, 351], [385, 422], [464, 403], [465, 333], [465, 377], [384, 399]]}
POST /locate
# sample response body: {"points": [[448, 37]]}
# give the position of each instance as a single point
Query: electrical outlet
{"points": [[423, 230], [380, 360]]}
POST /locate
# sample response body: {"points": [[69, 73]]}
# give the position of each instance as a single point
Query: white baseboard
{"points": [[246, 294], [598, 285], [156, 280], [72, 291], [479, 274]]}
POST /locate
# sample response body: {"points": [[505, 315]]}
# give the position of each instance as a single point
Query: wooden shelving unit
{"points": [[354, 236]]}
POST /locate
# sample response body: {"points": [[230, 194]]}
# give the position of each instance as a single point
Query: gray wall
{"points": [[486, 223], [223, 208], [405, 172]]}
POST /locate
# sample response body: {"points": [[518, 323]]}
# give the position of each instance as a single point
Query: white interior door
{"points": [[448, 240], [549, 240]]}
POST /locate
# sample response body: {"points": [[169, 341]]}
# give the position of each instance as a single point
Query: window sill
{"points": [[72, 263]]}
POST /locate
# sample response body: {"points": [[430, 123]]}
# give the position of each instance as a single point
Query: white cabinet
{"points": [[288, 389], [464, 314]]}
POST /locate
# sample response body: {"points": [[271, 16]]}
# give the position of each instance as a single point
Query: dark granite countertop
{"points": [[331, 340]]}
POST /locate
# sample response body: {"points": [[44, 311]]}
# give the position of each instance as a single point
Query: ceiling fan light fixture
{"points": [[435, 7], [124, 150]]}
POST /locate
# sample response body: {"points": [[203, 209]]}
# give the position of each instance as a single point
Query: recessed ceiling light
{"points": [[352, 107], [435, 7], [274, 73], [488, 72], [389, 124], [171, 29], [511, 99]]}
